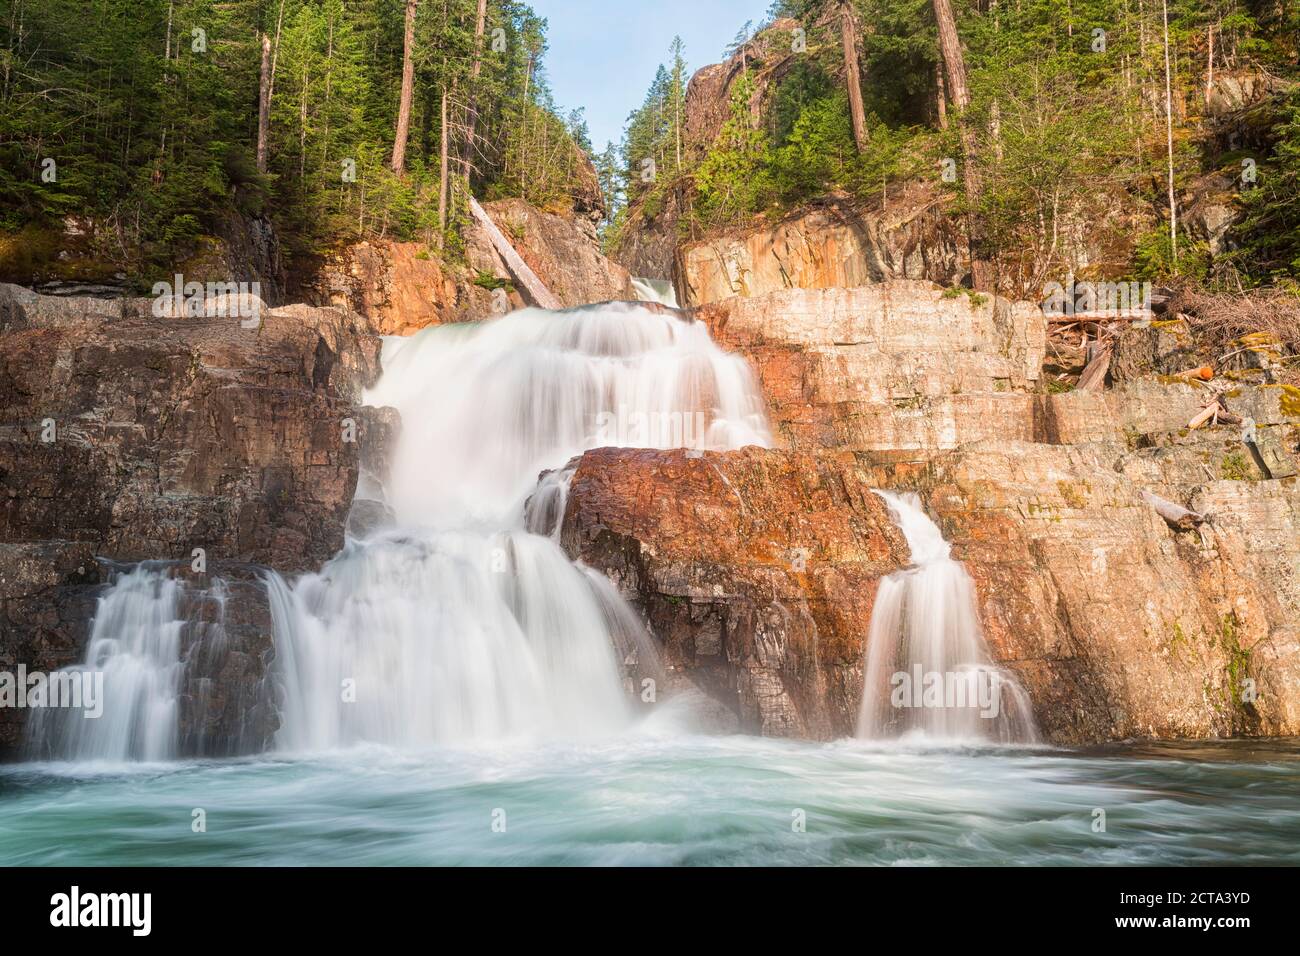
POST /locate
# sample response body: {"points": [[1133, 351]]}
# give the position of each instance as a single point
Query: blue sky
{"points": [[603, 53]]}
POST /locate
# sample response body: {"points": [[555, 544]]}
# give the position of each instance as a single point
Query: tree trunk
{"points": [[954, 61], [995, 128], [302, 125], [1175, 515], [408, 87], [526, 278], [167, 44], [329, 77], [852, 78], [955, 68], [264, 105], [443, 184], [471, 123], [677, 121], [275, 52], [940, 96], [1209, 66], [1169, 142]]}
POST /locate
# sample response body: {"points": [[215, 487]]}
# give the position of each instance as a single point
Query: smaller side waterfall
{"points": [[928, 668], [174, 667], [135, 644], [655, 290]]}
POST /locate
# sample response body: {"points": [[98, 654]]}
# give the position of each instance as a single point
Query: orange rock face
{"points": [[837, 243], [401, 287], [756, 570]]}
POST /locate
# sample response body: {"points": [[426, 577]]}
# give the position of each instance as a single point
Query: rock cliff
{"points": [[902, 366], [400, 287], [128, 437], [756, 569], [835, 242]]}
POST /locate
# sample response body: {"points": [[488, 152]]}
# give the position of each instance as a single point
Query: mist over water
{"points": [[643, 800]]}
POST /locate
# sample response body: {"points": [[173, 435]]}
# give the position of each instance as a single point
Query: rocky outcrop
{"points": [[647, 244], [150, 437], [834, 243], [1233, 92], [130, 437], [901, 366], [755, 569], [83, 256], [398, 286], [401, 287], [648, 241], [1212, 211], [226, 704], [766, 57], [48, 591], [563, 251]]}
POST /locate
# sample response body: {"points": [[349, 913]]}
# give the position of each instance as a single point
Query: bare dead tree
{"points": [[852, 76], [959, 90]]}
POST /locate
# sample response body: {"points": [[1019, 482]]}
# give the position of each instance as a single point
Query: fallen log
{"points": [[1176, 516], [1204, 415], [1093, 378], [1202, 373], [524, 276]]}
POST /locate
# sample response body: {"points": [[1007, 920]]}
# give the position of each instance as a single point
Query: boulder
{"points": [[755, 570]]}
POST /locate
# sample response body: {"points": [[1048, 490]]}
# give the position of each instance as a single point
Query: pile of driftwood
{"points": [[1081, 343], [1227, 332]]}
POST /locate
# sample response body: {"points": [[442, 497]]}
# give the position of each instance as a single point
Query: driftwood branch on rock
{"points": [[532, 286], [1176, 516]]}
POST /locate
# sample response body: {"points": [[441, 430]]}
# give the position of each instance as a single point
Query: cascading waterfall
{"points": [[928, 668], [135, 642], [160, 655], [461, 619], [655, 290]]}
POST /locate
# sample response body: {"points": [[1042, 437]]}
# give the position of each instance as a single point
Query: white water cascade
{"points": [[928, 668], [135, 643], [460, 618], [655, 290]]}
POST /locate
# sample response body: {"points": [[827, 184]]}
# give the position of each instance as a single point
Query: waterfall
{"points": [[459, 618], [135, 642], [928, 667], [159, 653], [655, 290]]}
